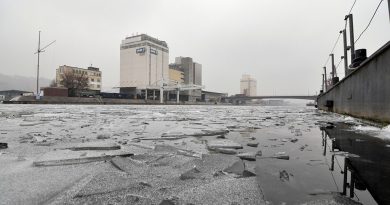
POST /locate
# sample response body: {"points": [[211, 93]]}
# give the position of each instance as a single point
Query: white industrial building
{"points": [[248, 85], [143, 63]]}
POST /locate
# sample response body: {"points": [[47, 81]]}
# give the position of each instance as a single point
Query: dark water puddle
{"points": [[335, 161]]}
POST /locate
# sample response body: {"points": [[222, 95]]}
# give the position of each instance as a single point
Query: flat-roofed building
{"points": [[143, 63], [93, 74]]}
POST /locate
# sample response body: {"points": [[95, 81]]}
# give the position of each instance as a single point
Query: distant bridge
{"points": [[241, 99], [304, 97]]}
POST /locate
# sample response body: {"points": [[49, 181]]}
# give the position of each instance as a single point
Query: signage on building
{"points": [[153, 51], [140, 50]]}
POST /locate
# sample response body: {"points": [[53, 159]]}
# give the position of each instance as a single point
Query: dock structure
{"points": [[364, 92]]}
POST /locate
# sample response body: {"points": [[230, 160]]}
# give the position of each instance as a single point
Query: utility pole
{"points": [[345, 52], [323, 82], [38, 52], [333, 67], [326, 84], [351, 35]]}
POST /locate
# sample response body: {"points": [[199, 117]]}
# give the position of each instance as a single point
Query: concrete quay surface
{"points": [[129, 154]]}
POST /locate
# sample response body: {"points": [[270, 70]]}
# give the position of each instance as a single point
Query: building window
{"points": [[98, 80], [98, 86], [92, 80]]}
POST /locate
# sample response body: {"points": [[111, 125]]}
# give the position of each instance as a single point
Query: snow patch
{"points": [[365, 128]]}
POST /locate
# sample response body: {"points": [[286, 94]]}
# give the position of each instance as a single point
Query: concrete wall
{"points": [[365, 92], [197, 74], [187, 65]]}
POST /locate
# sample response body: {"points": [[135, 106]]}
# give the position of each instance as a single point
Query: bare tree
{"points": [[75, 82], [53, 83]]}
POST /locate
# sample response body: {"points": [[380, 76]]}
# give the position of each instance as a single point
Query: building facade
{"points": [[197, 74], [248, 85], [93, 74], [176, 75], [192, 73], [192, 70], [143, 63]]}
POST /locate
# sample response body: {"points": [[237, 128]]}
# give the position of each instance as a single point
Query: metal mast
{"points": [[345, 52], [388, 5], [38, 52], [351, 35]]}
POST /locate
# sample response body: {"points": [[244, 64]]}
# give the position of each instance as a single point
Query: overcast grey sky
{"points": [[282, 43]]}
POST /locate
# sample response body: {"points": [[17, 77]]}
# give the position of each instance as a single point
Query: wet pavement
{"points": [[88, 154], [366, 159]]}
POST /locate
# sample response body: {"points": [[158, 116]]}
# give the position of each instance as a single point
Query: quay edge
{"points": [[365, 92]]}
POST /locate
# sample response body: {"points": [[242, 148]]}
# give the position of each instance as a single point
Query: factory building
{"points": [[143, 64], [192, 73]]}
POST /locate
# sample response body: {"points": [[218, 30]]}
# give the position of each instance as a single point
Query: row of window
{"points": [[93, 86], [144, 44], [97, 74], [79, 72], [93, 80], [85, 73]]}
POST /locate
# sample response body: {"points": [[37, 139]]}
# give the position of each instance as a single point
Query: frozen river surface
{"points": [[94, 154]]}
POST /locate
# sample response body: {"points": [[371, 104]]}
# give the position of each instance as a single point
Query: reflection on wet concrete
{"points": [[367, 162], [340, 163]]}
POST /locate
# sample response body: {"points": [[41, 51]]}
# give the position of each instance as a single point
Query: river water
{"points": [[327, 153]]}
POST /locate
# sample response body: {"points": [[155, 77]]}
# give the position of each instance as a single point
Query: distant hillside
{"points": [[8, 82]]}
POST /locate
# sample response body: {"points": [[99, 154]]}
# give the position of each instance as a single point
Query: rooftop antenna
{"points": [[38, 52]]}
